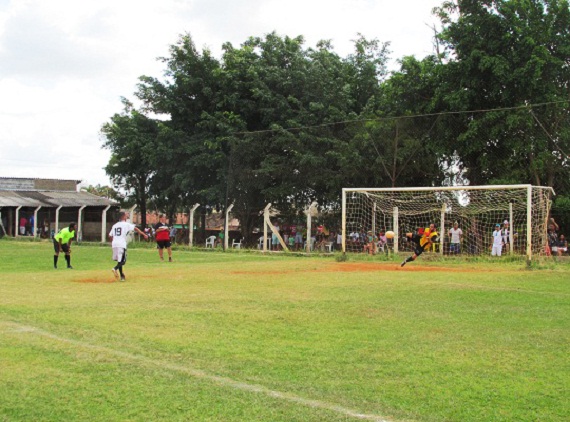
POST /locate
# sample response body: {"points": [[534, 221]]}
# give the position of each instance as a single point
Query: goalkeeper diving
{"points": [[422, 241]]}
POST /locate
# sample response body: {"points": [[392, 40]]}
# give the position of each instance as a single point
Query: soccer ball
{"points": [[390, 234]]}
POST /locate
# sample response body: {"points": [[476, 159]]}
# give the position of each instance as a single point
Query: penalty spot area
{"points": [[93, 280]]}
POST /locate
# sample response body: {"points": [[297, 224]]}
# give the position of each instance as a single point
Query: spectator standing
{"points": [[32, 223], [292, 242], [221, 236], [383, 242], [118, 236], [455, 235], [62, 243], [552, 237], [354, 236], [173, 234], [23, 222], [274, 238], [162, 238], [148, 231], [45, 229], [507, 233], [497, 246], [369, 245], [562, 245], [299, 238]]}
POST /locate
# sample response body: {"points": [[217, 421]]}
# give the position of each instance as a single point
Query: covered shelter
{"points": [[41, 207]]}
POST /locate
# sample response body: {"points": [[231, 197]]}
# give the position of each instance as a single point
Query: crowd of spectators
{"points": [[455, 241]]}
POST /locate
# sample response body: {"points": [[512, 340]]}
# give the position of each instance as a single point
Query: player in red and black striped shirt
{"points": [[162, 235]]}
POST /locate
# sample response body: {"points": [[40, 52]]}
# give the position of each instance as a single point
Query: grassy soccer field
{"points": [[245, 337]]}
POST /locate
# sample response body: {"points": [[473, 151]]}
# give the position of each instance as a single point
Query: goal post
{"points": [[520, 210]]}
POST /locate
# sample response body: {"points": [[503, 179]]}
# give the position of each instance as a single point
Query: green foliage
{"points": [[274, 121], [503, 54], [104, 191], [268, 86], [131, 138]]}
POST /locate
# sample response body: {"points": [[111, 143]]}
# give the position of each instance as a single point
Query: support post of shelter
{"points": [[17, 222], [226, 227], [2, 225], [35, 225], [79, 225], [57, 218], [191, 225], [104, 224]]}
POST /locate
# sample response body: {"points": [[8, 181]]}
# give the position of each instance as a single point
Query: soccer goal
{"points": [[521, 210]]}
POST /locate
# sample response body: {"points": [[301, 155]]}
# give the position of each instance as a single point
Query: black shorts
{"points": [[418, 250], [64, 246], [161, 244]]}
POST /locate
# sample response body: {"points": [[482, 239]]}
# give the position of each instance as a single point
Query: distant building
{"points": [[51, 204]]}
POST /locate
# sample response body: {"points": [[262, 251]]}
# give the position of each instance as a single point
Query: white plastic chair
{"points": [[313, 241], [210, 242], [328, 246], [236, 244], [260, 243]]}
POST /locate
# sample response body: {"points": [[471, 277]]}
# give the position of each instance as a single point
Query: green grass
{"points": [[246, 337]]}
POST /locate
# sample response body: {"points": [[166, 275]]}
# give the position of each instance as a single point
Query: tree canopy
{"points": [[275, 121]]}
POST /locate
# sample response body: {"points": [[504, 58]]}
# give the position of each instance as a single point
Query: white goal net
{"points": [[520, 210]]}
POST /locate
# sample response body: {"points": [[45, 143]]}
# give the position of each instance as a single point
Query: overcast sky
{"points": [[64, 64]]}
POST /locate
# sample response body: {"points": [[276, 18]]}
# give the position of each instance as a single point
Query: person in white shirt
{"points": [[507, 233], [497, 247], [455, 234], [118, 237]]}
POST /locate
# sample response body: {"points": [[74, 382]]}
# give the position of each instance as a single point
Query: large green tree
{"points": [[245, 126], [131, 138], [504, 54]]}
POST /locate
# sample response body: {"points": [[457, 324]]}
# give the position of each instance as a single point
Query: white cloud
{"points": [[64, 64]]}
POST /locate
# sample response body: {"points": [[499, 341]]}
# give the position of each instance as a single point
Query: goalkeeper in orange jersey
{"points": [[422, 240]]}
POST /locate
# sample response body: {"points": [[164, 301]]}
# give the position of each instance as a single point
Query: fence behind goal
{"points": [[477, 210]]}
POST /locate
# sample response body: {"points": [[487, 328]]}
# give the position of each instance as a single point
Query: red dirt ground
{"points": [[93, 280], [369, 267]]}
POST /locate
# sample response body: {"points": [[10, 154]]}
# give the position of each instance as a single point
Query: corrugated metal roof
{"points": [[37, 184], [51, 199]]}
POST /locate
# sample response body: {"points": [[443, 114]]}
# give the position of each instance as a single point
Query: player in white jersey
{"points": [[118, 236]]}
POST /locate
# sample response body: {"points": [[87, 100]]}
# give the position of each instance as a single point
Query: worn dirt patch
{"points": [[366, 267], [94, 280]]}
